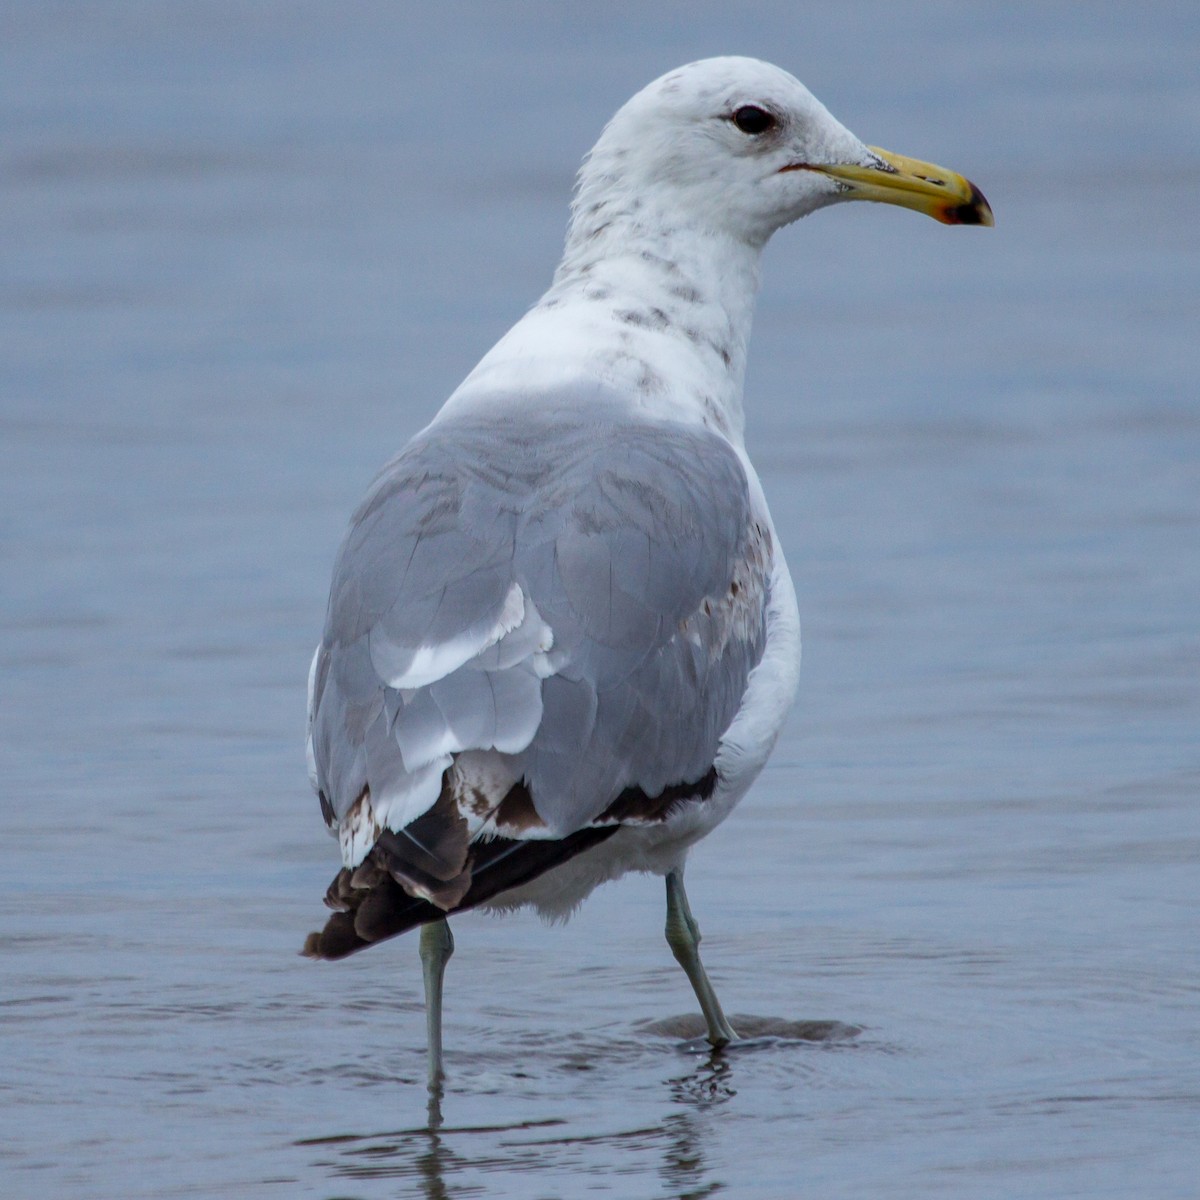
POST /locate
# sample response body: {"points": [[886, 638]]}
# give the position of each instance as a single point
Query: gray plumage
{"points": [[632, 540]]}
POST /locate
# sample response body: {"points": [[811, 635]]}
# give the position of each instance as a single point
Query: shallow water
{"points": [[249, 248]]}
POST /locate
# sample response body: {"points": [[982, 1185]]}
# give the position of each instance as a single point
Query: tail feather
{"points": [[370, 906]]}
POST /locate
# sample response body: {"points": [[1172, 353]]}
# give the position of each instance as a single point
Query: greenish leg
{"points": [[683, 936], [437, 945]]}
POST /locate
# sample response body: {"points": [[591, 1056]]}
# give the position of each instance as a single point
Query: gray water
{"points": [[248, 249]]}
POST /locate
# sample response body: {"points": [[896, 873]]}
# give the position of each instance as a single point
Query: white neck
{"points": [[641, 304]]}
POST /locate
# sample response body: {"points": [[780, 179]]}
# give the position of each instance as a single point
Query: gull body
{"points": [[562, 638]]}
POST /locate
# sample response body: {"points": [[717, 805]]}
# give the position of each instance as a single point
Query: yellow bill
{"points": [[943, 195]]}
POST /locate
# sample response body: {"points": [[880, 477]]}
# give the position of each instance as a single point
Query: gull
{"points": [[561, 638]]}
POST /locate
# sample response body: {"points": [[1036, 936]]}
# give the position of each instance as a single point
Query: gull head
{"points": [[739, 147]]}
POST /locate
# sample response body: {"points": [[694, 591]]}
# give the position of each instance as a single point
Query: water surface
{"points": [[249, 249]]}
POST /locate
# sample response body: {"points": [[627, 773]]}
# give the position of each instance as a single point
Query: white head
{"points": [[740, 147], [655, 293]]}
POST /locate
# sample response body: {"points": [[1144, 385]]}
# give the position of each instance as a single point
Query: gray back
{"points": [[634, 541]]}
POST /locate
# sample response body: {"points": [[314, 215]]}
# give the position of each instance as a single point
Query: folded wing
{"points": [[537, 630]]}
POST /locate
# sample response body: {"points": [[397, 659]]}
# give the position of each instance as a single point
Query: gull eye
{"points": [[753, 120]]}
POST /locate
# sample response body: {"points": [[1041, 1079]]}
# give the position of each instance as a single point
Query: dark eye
{"points": [[753, 120]]}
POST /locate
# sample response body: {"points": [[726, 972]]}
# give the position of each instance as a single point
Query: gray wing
{"points": [[533, 623]]}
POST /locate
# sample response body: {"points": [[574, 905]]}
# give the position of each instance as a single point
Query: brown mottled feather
{"points": [[384, 909], [634, 806], [387, 894]]}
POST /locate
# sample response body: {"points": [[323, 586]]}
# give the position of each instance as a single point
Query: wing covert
{"points": [[569, 605]]}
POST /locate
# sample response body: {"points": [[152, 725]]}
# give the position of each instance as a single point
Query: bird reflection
{"points": [[710, 1083], [441, 1162], [685, 1171], [432, 1162]]}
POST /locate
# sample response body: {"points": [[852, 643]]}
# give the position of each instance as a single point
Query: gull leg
{"points": [[437, 945], [683, 936]]}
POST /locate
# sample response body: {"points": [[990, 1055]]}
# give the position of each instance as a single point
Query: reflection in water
{"points": [[685, 1169], [447, 1161], [431, 1164], [424, 1153], [709, 1084]]}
